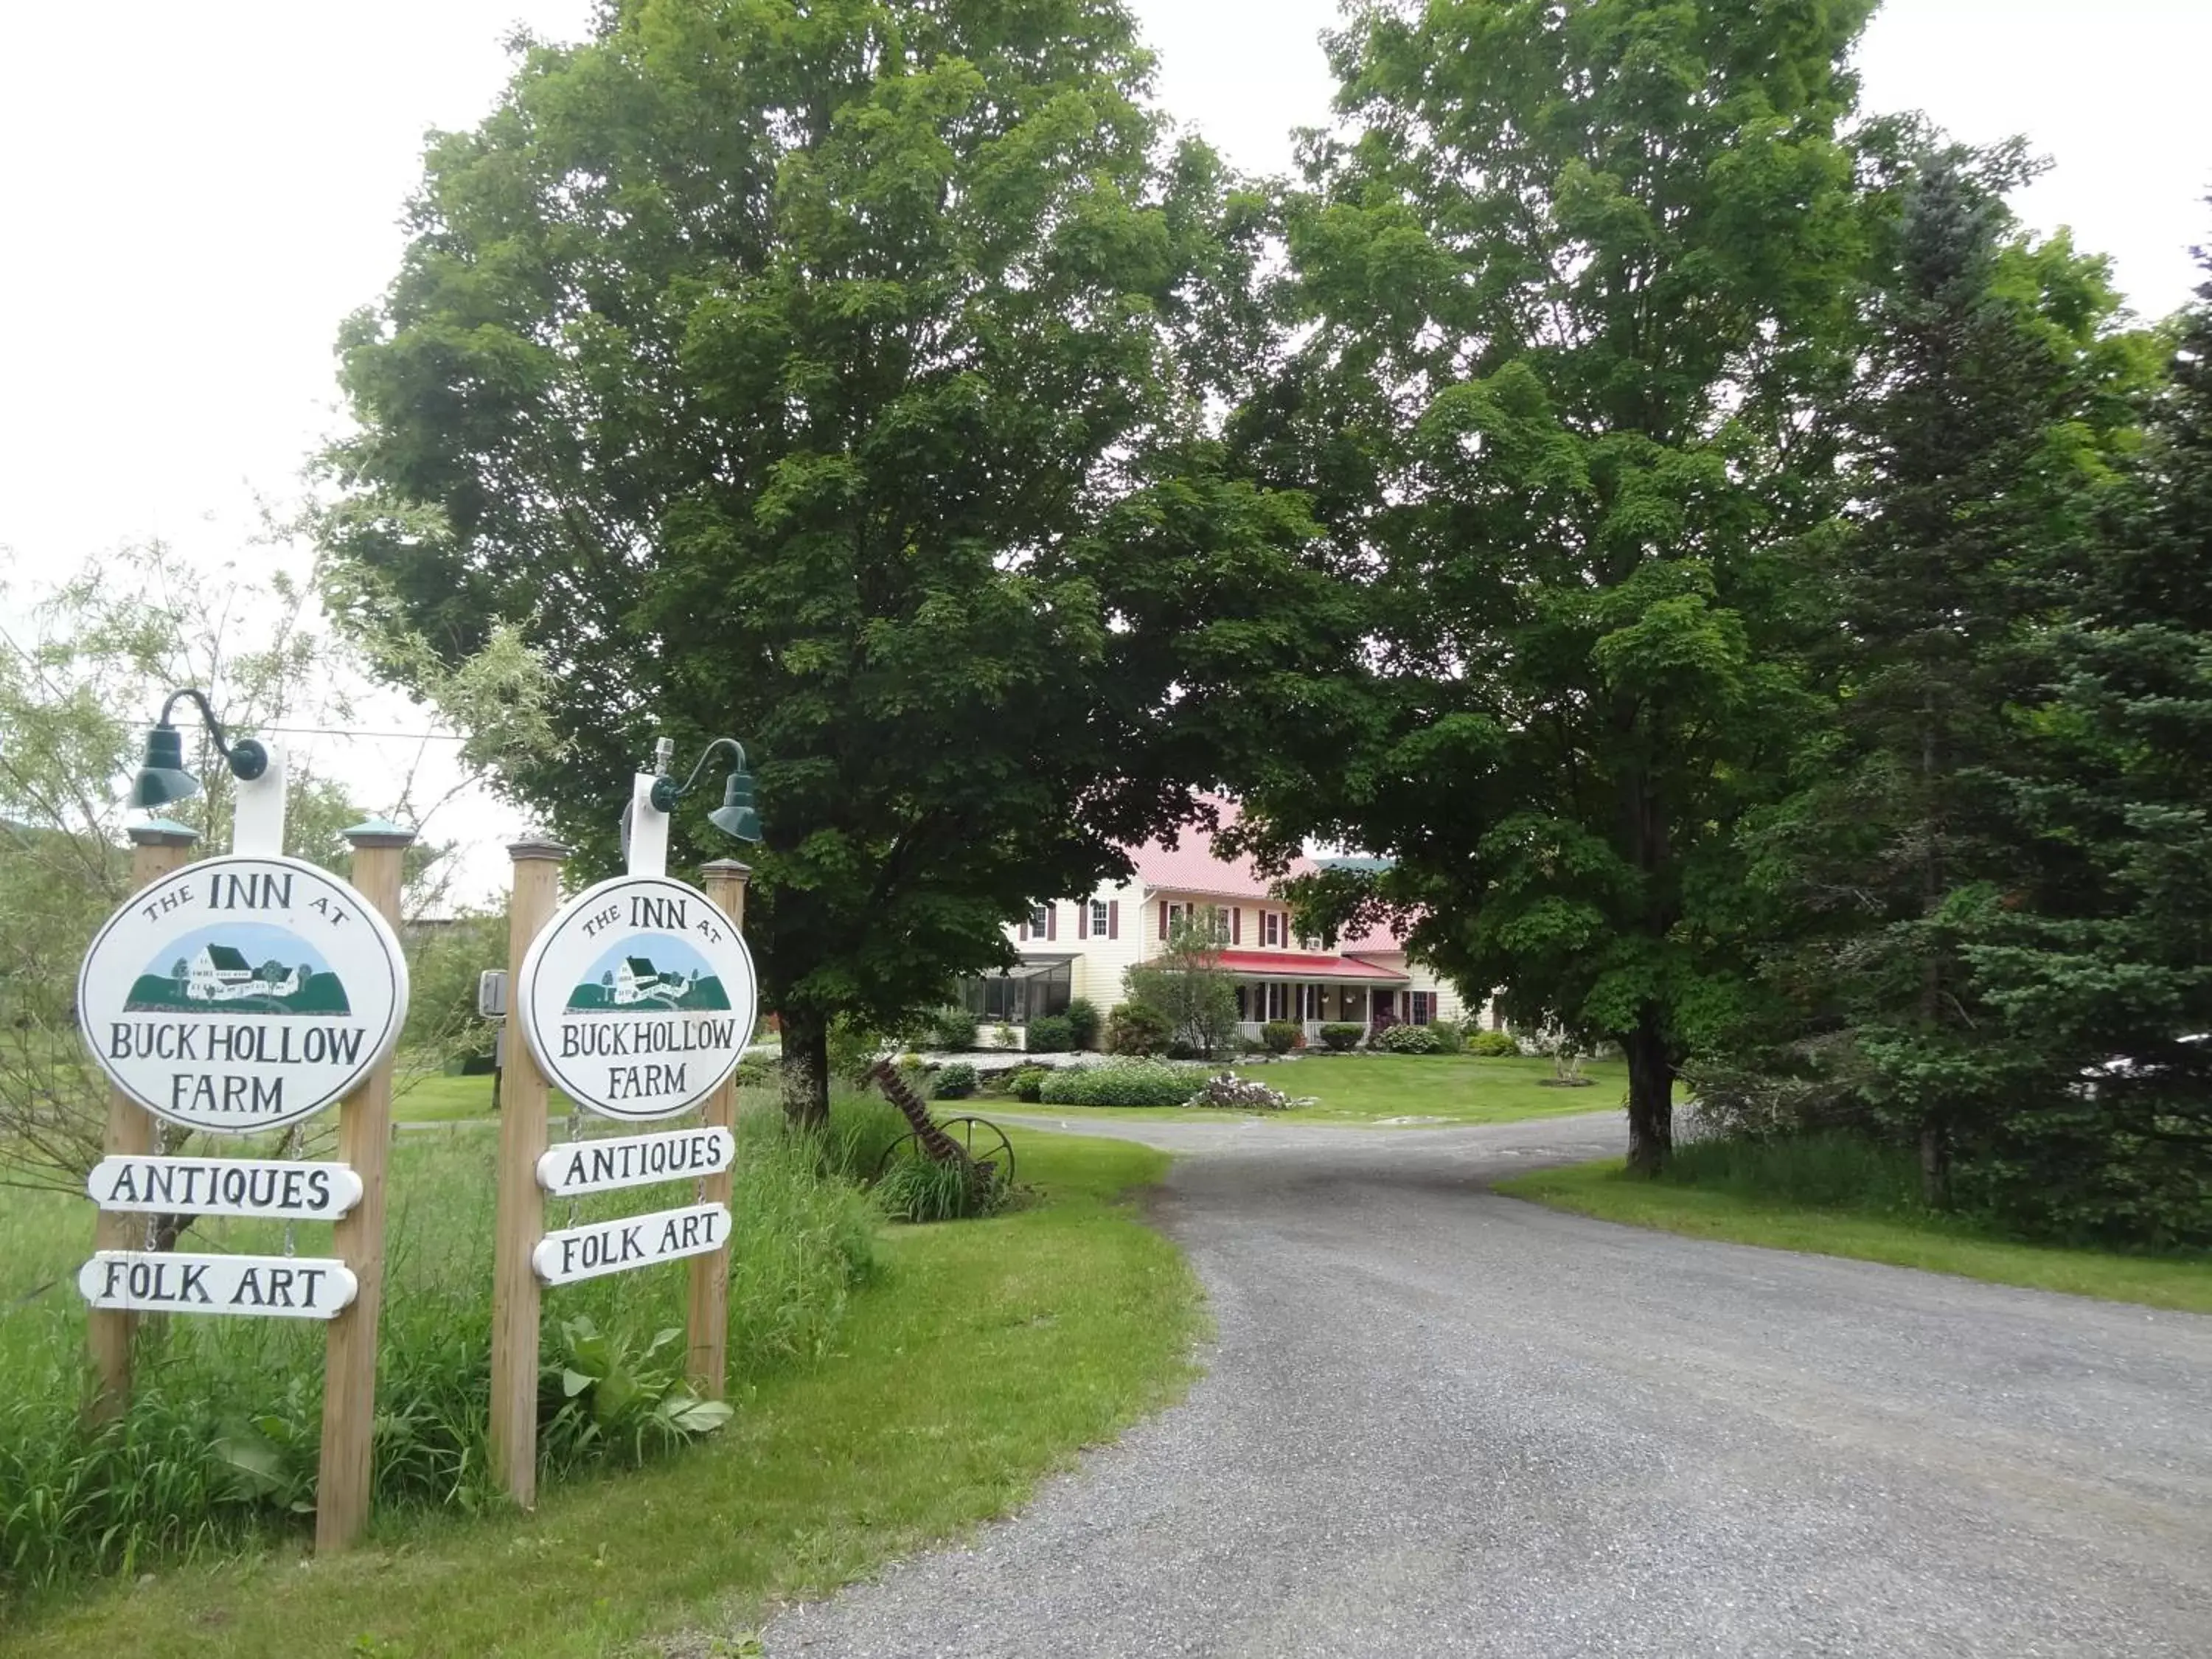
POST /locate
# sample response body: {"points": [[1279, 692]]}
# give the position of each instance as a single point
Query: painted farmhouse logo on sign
{"points": [[242, 994], [638, 999]]}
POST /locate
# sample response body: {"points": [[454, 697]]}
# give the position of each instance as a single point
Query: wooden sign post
{"points": [[521, 1223], [707, 1321], [156, 849], [638, 997], [344, 1482], [239, 995]]}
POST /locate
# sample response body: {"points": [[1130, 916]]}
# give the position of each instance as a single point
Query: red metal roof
{"points": [[1293, 964], [1190, 865]]}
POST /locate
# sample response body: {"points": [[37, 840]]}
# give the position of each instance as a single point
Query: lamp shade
{"points": [[162, 776], [735, 817]]}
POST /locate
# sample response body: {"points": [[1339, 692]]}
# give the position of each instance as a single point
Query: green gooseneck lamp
{"points": [[162, 776], [736, 817]]}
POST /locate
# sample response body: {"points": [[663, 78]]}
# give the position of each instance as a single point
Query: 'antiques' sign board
{"points": [[632, 1241], [243, 993], [284, 1286], [638, 999], [225, 1186], [577, 1167]]}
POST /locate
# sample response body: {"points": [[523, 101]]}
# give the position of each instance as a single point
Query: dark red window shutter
{"points": [[1024, 932], [1112, 918], [1052, 921], [1082, 918], [1164, 918]]}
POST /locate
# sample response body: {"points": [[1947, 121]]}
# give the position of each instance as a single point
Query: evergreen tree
{"points": [[2102, 982], [1993, 401]]}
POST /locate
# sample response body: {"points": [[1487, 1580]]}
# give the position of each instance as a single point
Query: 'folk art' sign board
{"points": [[242, 994], [638, 998]]}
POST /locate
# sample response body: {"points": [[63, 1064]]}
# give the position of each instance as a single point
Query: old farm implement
{"points": [[975, 1146]]}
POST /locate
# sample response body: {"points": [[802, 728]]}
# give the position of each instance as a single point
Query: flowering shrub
{"points": [[1120, 1082], [1410, 1040], [1240, 1094]]}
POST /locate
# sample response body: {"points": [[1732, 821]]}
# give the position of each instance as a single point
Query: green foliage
{"points": [[1279, 1037], [219, 1446], [604, 1388], [920, 1190], [1185, 983], [1028, 1083], [443, 963], [1083, 1024], [1122, 1083], [795, 371], [1972, 934], [1341, 1039], [1492, 1045], [952, 1030], [1554, 407], [953, 1082], [1137, 1028], [1412, 1040], [1051, 1034]]}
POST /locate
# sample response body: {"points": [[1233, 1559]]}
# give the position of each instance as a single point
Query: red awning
{"points": [[1291, 964]]}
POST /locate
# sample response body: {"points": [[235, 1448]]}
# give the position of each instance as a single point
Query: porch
{"points": [[1313, 991]]}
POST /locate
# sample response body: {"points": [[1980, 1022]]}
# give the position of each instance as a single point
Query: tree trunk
{"points": [[1650, 1099], [805, 1077], [1934, 1166]]}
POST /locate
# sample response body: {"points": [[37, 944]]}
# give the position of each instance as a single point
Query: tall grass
{"points": [[220, 1441], [1833, 1169]]}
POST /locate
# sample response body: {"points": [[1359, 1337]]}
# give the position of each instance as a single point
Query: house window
{"points": [[1278, 1001], [1098, 918], [1040, 922], [1270, 928], [1424, 1007], [1220, 922]]}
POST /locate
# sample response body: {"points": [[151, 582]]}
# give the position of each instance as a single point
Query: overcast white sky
{"points": [[198, 193]]}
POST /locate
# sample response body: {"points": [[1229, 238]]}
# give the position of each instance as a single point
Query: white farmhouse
{"points": [[220, 973], [1082, 949]]}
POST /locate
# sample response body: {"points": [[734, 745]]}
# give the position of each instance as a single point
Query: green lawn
{"points": [[985, 1357], [1370, 1089], [1606, 1190], [1350, 1089], [438, 1098]]}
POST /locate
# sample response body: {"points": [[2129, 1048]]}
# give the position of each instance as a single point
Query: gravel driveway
{"points": [[1443, 1422]]}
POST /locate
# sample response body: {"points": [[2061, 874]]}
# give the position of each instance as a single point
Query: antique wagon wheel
{"points": [[984, 1142], [987, 1146]]}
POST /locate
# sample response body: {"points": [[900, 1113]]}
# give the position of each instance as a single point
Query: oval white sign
{"points": [[238, 995], [224, 1186], [638, 998], [280, 1286], [610, 1164]]}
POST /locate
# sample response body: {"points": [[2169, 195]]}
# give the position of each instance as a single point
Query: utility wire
{"points": [[349, 732]]}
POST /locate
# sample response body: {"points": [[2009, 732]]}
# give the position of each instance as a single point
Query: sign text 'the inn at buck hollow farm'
{"points": [[242, 994], [638, 998]]}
